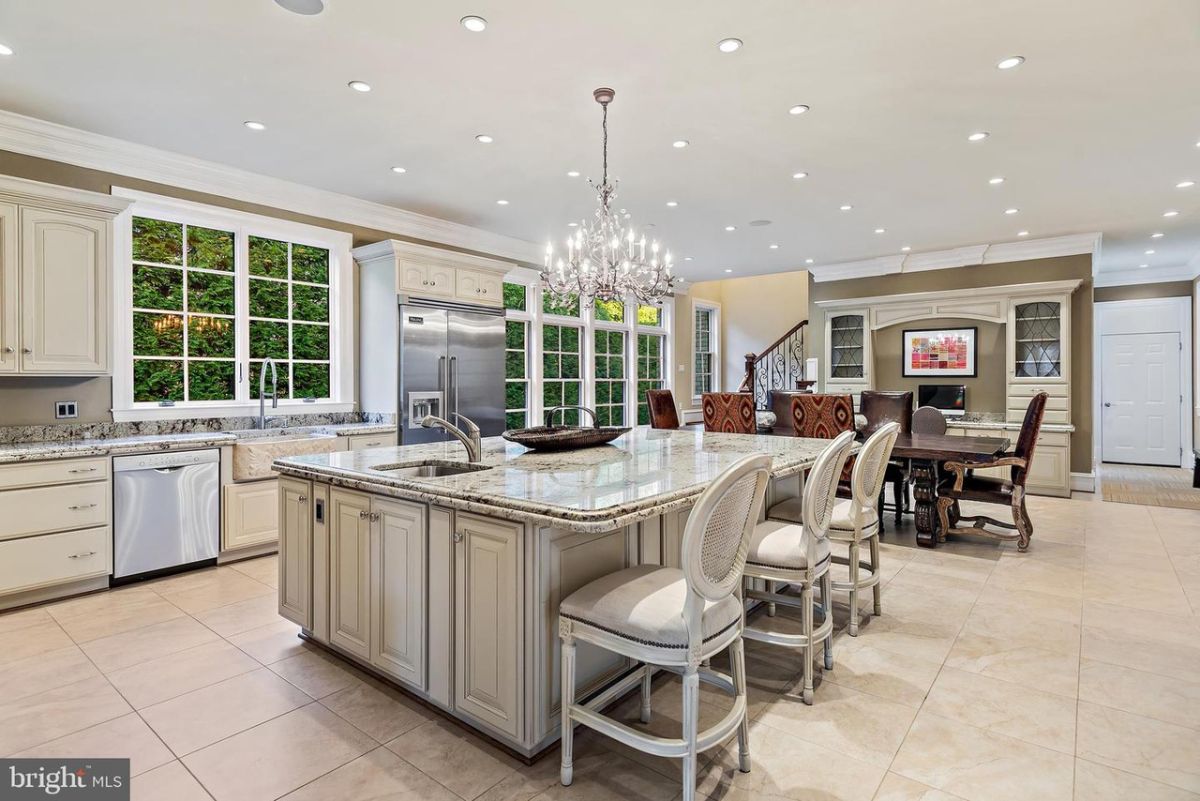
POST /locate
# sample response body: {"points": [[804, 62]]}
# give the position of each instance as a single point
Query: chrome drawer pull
{"points": [[372, 444], [81, 555], [82, 470], [80, 506]]}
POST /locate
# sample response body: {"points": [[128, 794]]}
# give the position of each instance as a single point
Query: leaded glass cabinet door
{"points": [[1038, 328], [847, 347]]}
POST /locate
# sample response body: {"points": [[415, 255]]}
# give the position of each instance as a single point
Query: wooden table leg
{"points": [[925, 480]]}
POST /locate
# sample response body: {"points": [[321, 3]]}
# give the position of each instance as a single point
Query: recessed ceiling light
{"points": [[728, 270], [687, 258], [254, 125], [997, 180], [729, 45], [797, 109], [5, 50], [360, 86], [680, 143], [1150, 252], [501, 202], [799, 175], [399, 170], [1171, 213], [473, 23], [1185, 184], [731, 228], [1022, 233], [978, 136], [1156, 235], [880, 230], [305, 7], [573, 173], [572, 225], [672, 203], [845, 207], [905, 249], [1011, 211], [484, 139], [774, 247], [1010, 62], [1143, 266], [808, 261]]}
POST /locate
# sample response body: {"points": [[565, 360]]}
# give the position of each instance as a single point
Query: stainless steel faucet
{"points": [[550, 414], [262, 390], [470, 439]]}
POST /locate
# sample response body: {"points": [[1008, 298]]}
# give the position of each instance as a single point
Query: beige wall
{"points": [[1196, 363], [985, 393], [1166, 289], [30, 401], [982, 275]]}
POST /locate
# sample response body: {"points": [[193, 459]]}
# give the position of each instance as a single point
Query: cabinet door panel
{"points": [[64, 292], [251, 514], [398, 589], [413, 278], [1050, 473], [488, 634], [9, 283], [295, 551], [350, 572], [441, 280]]}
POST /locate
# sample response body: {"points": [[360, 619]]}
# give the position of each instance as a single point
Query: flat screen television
{"points": [[951, 399]]}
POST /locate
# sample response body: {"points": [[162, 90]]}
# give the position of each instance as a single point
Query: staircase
{"points": [[780, 366]]}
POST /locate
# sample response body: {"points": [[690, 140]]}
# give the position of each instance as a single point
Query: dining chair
{"points": [[785, 554], [858, 519], [729, 412], [662, 408], [880, 408], [965, 485], [676, 619], [928, 420]]}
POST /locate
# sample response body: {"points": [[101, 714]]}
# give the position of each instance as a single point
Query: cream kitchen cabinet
{"points": [[295, 551], [479, 286], [55, 279], [358, 442], [397, 594], [350, 572], [250, 514], [423, 271], [433, 280]]}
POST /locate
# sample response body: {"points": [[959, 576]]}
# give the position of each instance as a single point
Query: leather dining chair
{"points": [[928, 420], [729, 412], [881, 408], [662, 408]]}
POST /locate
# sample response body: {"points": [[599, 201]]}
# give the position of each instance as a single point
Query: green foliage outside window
{"points": [[157, 380], [209, 293], [514, 296], [157, 241], [649, 315], [268, 257], [269, 299], [560, 369], [610, 377], [516, 384], [566, 306], [210, 249], [610, 311], [210, 380], [649, 371], [157, 288]]}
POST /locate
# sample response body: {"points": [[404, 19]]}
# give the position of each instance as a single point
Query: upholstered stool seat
{"points": [[775, 543], [641, 604]]}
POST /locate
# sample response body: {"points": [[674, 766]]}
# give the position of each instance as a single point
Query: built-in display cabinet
{"points": [[56, 253], [1037, 320]]}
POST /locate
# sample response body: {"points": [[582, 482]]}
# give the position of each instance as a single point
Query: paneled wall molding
{"points": [[48, 140], [982, 303], [995, 253]]}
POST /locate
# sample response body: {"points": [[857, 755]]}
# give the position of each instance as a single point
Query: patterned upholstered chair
{"points": [[729, 412], [962, 485], [881, 408], [798, 556], [677, 618], [818, 416], [662, 408]]}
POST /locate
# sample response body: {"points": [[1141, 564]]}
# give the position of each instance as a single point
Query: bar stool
{"points": [[675, 619], [799, 555], [857, 519]]}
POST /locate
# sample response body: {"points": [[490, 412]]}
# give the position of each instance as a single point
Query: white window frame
{"points": [[588, 325], [341, 308], [714, 342]]}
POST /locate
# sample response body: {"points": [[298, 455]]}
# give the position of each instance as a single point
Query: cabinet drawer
{"points": [[1058, 439], [1058, 417], [31, 562], [1024, 390], [62, 471], [1021, 403], [361, 441], [39, 510]]}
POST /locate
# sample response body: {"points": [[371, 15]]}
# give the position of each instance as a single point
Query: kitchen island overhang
{"points": [[449, 586]]}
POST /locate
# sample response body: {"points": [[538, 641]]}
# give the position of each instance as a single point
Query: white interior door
{"points": [[1141, 400]]}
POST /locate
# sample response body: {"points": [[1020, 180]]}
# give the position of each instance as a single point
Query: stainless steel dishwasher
{"points": [[166, 513]]}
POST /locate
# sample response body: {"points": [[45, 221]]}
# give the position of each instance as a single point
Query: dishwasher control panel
{"points": [[152, 461]]}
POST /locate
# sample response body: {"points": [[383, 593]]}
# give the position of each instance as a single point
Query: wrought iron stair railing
{"points": [[780, 366]]}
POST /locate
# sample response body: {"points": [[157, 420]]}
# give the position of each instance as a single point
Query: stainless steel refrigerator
{"points": [[451, 360]]}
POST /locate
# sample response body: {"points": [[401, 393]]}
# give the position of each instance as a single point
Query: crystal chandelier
{"points": [[606, 259]]}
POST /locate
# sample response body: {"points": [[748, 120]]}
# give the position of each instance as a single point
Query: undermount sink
{"points": [[430, 469], [252, 457]]}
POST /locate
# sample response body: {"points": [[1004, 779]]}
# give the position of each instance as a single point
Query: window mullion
{"points": [[241, 282]]}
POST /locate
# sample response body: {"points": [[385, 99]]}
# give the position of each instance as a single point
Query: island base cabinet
{"points": [[350, 572], [295, 551], [488, 625], [398, 589]]}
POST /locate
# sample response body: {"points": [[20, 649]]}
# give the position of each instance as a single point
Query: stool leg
{"points": [[827, 608], [568, 698], [878, 588], [806, 608], [737, 653], [854, 587], [771, 604], [645, 716], [691, 715]]}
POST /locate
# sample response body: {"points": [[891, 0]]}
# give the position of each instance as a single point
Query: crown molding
{"points": [[408, 252], [996, 253], [21, 190], [1157, 275], [48, 140]]}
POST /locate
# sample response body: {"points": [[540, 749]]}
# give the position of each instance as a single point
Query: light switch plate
{"points": [[66, 409]]}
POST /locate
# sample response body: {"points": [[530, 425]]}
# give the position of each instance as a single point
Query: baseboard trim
{"points": [[1083, 482]]}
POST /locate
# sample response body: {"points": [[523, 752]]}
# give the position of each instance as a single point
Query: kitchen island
{"points": [[449, 585]]}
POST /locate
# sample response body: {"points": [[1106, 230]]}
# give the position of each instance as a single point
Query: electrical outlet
{"points": [[66, 409]]}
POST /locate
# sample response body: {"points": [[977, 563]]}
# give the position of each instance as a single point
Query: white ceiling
{"points": [[1091, 134]]}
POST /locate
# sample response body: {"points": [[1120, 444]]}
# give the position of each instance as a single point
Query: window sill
{"points": [[227, 410]]}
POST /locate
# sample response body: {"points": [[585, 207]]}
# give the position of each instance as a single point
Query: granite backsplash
{"points": [[59, 433]]}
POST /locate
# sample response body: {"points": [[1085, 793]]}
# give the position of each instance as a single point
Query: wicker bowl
{"points": [[562, 438]]}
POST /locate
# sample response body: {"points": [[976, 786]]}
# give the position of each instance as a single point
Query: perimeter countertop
{"points": [[76, 448], [641, 474]]}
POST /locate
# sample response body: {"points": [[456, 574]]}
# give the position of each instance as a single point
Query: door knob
{"points": [[1107, 405]]}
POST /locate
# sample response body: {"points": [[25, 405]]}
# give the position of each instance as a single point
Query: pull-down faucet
{"points": [[262, 390], [470, 439]]}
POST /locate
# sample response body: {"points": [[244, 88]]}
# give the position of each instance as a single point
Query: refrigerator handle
{"points": [[454, 376]]}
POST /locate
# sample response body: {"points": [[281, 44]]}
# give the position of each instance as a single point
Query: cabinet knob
{"points": [[375, 516], [458, 536], [26, 350], [363, 515], [302, 499], [10, 349]]}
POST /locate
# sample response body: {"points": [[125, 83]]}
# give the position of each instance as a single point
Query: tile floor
{"points": [[1070, 672]]}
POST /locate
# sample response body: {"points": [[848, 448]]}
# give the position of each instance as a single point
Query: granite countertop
{"points": [[996, 422], [641, 474], [76, 448]]}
